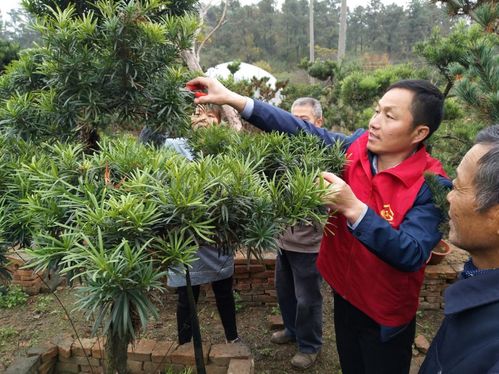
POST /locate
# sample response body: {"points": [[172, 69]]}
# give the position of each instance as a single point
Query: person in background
{"points": [[468, 339], [384, 226], [210, 266], [297, 280]]}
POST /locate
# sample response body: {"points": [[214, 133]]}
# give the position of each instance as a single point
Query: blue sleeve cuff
{"points": [[248, 108], [354, 225]]}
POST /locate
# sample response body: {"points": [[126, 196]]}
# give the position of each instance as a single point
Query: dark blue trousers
{"points": [[298, 285]]}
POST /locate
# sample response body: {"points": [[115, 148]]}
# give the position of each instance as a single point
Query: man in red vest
{"points": [[385, 222]]}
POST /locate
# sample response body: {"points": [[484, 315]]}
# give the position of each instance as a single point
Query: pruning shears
{"points": [[198, 89]]}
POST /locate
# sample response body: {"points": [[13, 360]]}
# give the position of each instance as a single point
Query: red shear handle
{"points": [[197, 89]]}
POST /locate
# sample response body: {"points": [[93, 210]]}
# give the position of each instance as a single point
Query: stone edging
{"points": [[66, 355]]}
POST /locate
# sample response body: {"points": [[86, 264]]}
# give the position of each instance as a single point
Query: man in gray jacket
{"points": [[297, 279]]}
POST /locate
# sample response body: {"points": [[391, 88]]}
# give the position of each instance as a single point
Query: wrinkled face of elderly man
{"points": [[474, 209]]}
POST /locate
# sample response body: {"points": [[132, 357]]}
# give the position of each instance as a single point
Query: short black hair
{"points": [[427, 104]]}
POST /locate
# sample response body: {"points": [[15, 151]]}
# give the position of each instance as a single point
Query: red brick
{"points": [[134, 367], [160, 351], [141, 350], [275, 322], [46, 367], [272, 293], [240, 269], [184, 354], [260, 274], [65, 367], [155, 367], [259, 287], [433, 299], [83, 347], [246, 297], [422, 344], [33, 290], [98, 350], [91, 369], [256, 269], [263, 298], [50, 352], [89, 361], [64, 345], [241, 275], [239, 366], [269, 261], [215, 369], [242, 286], [221, 354], [25, 273], [441, 271]]}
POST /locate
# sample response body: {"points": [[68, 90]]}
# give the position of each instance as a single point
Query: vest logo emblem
{"points": [[387, 213]]}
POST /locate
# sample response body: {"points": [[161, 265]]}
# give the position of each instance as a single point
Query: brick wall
{"points": [[254, 280], [66, 355], [32, 283]]}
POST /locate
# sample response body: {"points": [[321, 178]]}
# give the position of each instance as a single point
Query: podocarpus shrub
{"points": [[118, 218], [117, 65]]}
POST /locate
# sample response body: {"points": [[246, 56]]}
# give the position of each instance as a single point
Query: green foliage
{"points": [[275, 311], [441, 51], [234, 66], [8, 52], [439, 193], [452, 140], [478, 77], [324, 70], [294, 91], [41, 8], [349, 101], [255, 87], [13, 298], [237, 301], [453, 109], [118, 280], [118, 218], [468, 58], [279, 34], [7, 333], [184, 371], [127, 73], [44, 304]]}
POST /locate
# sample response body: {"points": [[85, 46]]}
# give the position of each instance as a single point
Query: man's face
{"points": [[204, 117], [391, 129], [306, 113], [469, 229]]}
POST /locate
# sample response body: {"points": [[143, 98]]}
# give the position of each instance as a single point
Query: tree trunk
{"points": [[342, 40], [116, 348], [229, 113]]}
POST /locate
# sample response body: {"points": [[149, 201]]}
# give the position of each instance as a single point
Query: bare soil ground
{"points": [[42, 318]]}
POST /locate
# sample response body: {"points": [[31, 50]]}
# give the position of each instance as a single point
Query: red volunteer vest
{"points": [[387, 295]]}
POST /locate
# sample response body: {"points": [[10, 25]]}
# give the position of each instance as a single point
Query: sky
{"points": [[6, 5], [350, 3]]}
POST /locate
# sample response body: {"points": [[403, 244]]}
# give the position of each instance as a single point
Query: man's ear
{"points": [[493, 214], [319, 122], [421, 132]]}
